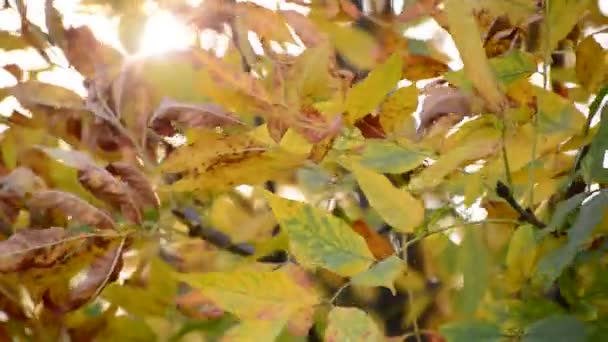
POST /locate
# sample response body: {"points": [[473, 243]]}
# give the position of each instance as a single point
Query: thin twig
{"points": [[338, 292], [527, 215]]}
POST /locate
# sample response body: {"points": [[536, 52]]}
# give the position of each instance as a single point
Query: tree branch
{"points": [[526, 215]]}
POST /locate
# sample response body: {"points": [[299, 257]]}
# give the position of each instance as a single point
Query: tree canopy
{"points": [[323, 170]]}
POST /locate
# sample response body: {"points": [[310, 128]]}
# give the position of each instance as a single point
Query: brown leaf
{"points": [[29, 248], [227, 76], [20, 182], [370, 127], [73, 206], [379, 245], [304, 28], [189, 115], [195, 304], [114, 192], [440, 101], [85, 52], [137, 182], [103, 270], [268, 24]]}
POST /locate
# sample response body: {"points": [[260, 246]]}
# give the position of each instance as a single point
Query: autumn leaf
{"points": [[396, 113], [318, 239], [591, 63], [137, 182], [36, 93], [396, 206], [35, 248], [379, 245], [253, 295], [351, 324], [72, 206], [390, 157], [463, 29], [365, 96], [562, 16]]}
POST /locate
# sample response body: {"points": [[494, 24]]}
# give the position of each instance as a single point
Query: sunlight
{"points": [[164, 33]]}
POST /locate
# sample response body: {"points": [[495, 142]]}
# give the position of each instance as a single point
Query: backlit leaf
{"points": [[591, 63], [383, 273], [268, 24], [351, 324], [319, 239], [563, 15], [471, 331], [464, 30], [34, 93], [396, 206], [396, 114], [251, 294], [366, 95], [9, 41]]}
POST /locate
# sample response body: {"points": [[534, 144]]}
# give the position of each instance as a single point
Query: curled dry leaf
{"points": [[73, 206], [190, 115], [114, 192], [304, 28], [137, 182], [104, 269], [440, 101], [29, 248], [85, 52]]}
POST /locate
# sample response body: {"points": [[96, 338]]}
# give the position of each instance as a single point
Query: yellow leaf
{"points": [[352, 325], [366, 95], [563, 15], [465, 32], [396, 206], [254, 331], [475, 146], [319, 239], [521, 256], [396, 113], [253, 294], [295, 143], [591, 63]]}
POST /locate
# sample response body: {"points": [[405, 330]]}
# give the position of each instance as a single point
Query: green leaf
{"points": [[388, 157], [469, 331], [563, 15], [552, 265], [318, 239], [562, 210], [465, 33], [473, 262], [558, 328], [509, 68], [366, 95], [352, 325], [598, 152], [383, 273], [396, 206], [253, 294]]}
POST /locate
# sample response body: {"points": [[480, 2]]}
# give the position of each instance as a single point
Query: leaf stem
{"points": [[338, 292]]}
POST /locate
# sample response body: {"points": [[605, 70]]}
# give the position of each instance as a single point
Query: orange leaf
{"points": [[379, 245]]}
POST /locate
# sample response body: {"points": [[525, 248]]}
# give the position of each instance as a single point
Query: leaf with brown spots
{"points": [[114, 192], [29, 248], [137, 181], [72, 206]]}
